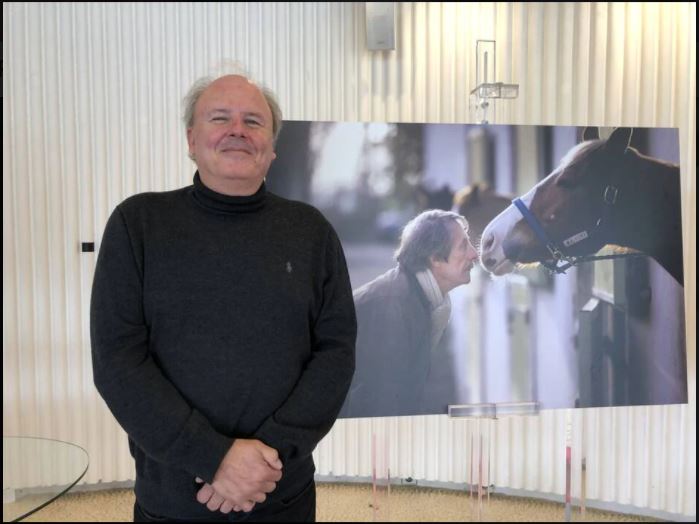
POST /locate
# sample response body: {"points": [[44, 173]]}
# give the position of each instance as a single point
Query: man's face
{"points": [[231, 139], [456, 270]]}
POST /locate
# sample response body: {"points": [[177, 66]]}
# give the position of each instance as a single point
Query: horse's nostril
{"points": [[489, 262], [488, 242]]}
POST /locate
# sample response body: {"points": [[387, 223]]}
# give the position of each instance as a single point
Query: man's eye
{"points": [[253, 122], [219, 119]]}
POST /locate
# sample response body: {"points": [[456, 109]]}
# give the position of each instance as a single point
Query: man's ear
{"points": [[435, 261], [190, 141]]}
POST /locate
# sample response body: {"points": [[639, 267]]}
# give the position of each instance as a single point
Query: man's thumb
{"points": [[271, 457]]}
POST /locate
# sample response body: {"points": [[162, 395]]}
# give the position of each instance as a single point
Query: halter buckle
{"points": [[555, 252], [610, 195]]}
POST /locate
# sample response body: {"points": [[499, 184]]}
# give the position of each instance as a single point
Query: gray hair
{"points": [[192, 97], [427, 235]]}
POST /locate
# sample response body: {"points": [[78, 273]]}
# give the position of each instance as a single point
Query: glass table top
{"points": [[36, 471]]}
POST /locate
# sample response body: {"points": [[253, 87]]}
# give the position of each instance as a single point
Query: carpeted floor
{"points": [[352, 503]]}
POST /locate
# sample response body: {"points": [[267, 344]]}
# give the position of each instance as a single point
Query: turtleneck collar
{"points": [[226, 204]]}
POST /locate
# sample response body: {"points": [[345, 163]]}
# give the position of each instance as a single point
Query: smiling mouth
{"points": [[236, 151]]}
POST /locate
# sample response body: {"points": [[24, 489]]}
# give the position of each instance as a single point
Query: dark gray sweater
{"points": [[215, 317]]}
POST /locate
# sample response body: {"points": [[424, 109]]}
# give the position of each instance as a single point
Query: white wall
{"points": [[91, 96]]}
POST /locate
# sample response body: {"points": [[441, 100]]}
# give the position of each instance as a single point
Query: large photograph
{"points": [[496, 264]]}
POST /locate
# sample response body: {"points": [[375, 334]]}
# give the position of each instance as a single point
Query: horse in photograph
{"points": [[603, 192], [479, 204]]}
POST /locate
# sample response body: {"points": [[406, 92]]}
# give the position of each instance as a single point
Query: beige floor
{"points": [[351, 503]]}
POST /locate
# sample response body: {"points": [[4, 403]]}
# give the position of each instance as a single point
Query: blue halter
{"points": [[557, 253]]}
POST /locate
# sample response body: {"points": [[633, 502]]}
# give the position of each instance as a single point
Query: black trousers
{"points": [[301, 508]]}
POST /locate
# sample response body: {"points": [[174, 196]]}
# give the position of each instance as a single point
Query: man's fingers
{"points": [[249, 467], [215, 502], [271, 456], [268, 487], [227, 506], [271, 475], [204, 494], [259, 497]]}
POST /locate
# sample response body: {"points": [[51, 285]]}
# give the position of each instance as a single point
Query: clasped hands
{"points": [[247, 473]]}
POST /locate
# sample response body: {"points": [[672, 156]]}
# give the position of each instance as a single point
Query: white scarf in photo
{"points": [[440, 305]]}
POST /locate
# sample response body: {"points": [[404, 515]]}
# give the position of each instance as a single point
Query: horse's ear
{"points": [[475, 192], [590, 133], [620, 139]]}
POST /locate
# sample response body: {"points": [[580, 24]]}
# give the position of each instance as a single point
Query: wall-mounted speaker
{"points": [[380, 25]]}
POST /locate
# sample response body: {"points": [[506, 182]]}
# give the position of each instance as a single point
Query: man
{"points": [[222, 325], [403, 313]]}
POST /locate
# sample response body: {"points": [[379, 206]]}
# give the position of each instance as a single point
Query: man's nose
{"points": [[237, 127], [472, 252]]}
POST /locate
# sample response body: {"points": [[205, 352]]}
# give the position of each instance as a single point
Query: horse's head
{"points": [[437, 199], [569, 204]]}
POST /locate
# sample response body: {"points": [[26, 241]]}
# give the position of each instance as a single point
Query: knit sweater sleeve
{"points": [[311, 409], [146, 404]]}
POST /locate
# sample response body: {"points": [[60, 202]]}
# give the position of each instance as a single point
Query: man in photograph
{"points": [[403, 313]]}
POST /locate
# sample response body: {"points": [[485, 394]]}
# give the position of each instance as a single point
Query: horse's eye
{"points": [[551, 217]]}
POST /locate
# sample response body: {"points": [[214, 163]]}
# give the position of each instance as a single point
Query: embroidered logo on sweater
{"points": [[289, 269]]}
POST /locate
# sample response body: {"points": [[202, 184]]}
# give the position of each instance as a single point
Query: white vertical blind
{"points": [[91, 105]]}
